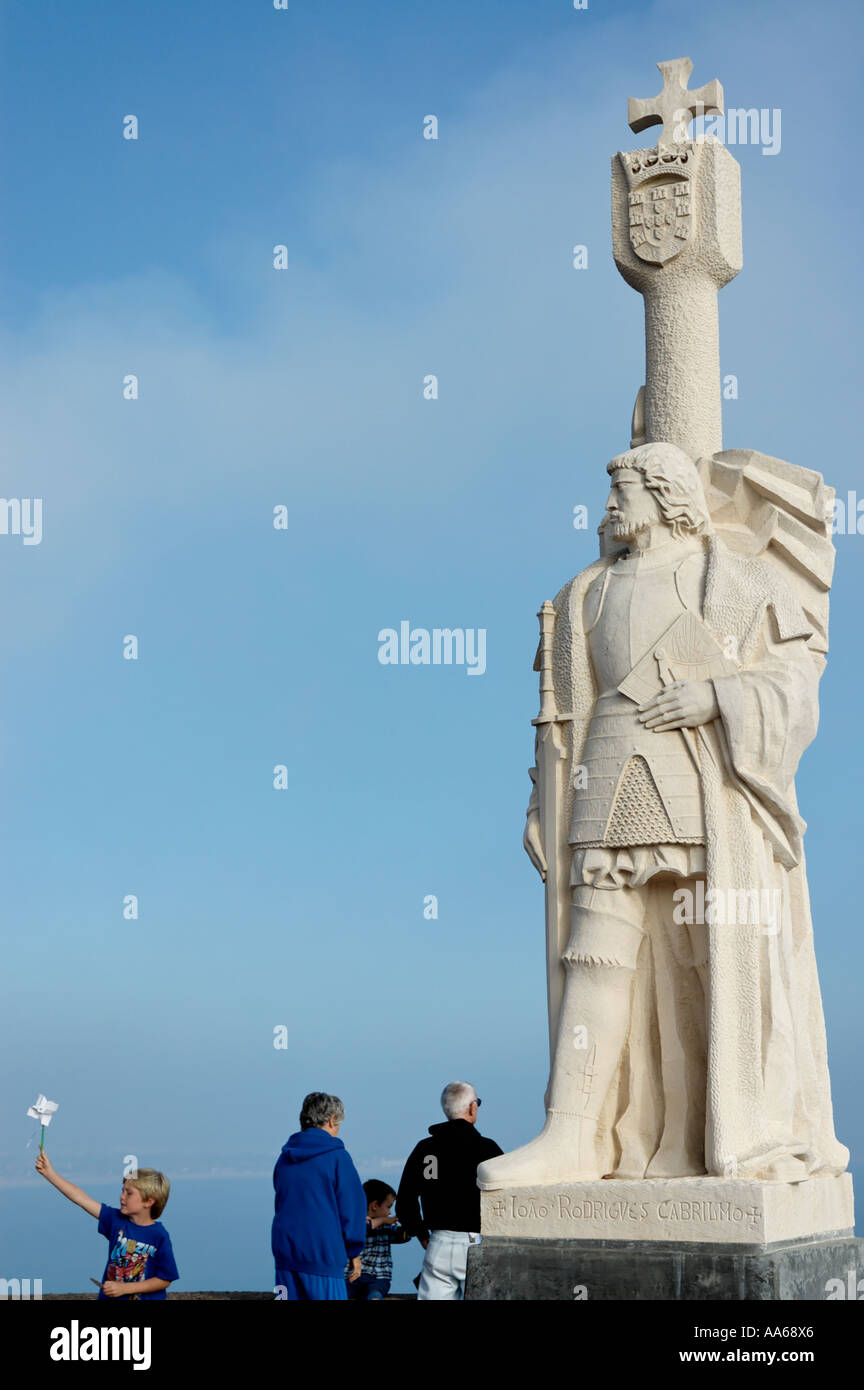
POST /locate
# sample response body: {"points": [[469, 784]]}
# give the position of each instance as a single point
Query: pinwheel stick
{"points": [[42, 1140]]}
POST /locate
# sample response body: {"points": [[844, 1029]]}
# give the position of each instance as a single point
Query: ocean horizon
{"points": [[219, 1228]]}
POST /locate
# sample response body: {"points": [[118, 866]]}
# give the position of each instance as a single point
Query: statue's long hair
{"points": [[672, 476]]}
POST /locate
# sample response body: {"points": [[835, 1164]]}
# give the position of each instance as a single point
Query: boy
{"points": [[139, 1247], [382, 1231]]}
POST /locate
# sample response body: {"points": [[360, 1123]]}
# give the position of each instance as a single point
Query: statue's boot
{"points": [[593, 1026], [683, 1046]]}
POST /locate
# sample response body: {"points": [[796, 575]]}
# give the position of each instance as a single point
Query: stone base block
{"points": [[595, 1270], [733, 1211]]}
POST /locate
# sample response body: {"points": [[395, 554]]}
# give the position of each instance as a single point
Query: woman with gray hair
{"points": [[320, 1207]]}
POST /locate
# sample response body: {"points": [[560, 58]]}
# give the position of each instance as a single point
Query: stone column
{"points": [[676, 231]]}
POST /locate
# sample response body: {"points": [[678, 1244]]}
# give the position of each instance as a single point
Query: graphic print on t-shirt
{"points": [[128, 1259]]}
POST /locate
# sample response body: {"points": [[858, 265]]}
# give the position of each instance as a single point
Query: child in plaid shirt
{"points": [[382, 1231]]}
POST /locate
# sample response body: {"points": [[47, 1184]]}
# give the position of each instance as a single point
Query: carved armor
{"points": [[641, 786]]}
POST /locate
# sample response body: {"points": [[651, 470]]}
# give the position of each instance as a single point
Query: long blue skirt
{"points": [[312, 1288]]}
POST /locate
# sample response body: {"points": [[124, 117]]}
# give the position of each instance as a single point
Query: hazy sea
{"points": [[219, 1227]]}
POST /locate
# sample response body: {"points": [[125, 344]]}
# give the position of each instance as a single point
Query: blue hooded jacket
{"points": [[320, 1216]]}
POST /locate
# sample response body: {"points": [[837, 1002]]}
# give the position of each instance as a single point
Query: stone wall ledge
{"points": [[205, 1296]]}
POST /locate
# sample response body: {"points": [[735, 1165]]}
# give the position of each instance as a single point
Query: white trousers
{"points": [[443, 1273]]}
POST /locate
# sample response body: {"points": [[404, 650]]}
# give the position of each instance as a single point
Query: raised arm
{"points": [[75, 1194]]}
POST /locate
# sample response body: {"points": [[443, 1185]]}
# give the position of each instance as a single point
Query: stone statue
{"points": [[689, 1036], [679, 682]]}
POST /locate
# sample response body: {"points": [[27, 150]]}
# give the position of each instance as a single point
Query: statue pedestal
{"points": [[679, 1239]]}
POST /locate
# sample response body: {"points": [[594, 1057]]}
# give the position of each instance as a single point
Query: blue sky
{"points": [[258, 647]]}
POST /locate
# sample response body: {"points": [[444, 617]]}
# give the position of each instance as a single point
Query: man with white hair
{"points": [[441, 1177]]}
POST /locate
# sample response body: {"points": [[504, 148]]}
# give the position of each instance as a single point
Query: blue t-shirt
{"points": [[135, 1252]]}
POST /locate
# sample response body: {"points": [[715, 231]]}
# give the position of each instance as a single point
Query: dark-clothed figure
{"points": [[438, 1199]]}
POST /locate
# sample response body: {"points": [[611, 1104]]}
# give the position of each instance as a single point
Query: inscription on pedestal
{"points": [[563, 1206], [698, 1210]]}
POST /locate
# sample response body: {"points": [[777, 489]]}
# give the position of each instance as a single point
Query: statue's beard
{"points": [[626, 530]]}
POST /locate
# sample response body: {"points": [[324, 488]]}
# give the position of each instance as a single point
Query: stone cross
{"points": [[674, 103]]}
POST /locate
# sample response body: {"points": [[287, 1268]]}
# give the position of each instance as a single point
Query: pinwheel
{"points": [[42, 1111]]}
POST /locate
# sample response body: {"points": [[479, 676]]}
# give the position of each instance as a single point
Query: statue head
{"points": [[655, 485]]}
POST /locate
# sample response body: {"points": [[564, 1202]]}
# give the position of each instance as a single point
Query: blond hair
{"points": [[151, 1183]]}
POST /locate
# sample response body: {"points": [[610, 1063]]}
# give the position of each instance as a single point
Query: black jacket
{"points": [[441, 1176]]}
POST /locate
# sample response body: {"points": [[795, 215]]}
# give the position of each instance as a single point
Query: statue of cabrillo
{"points": [[679, 681]]}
